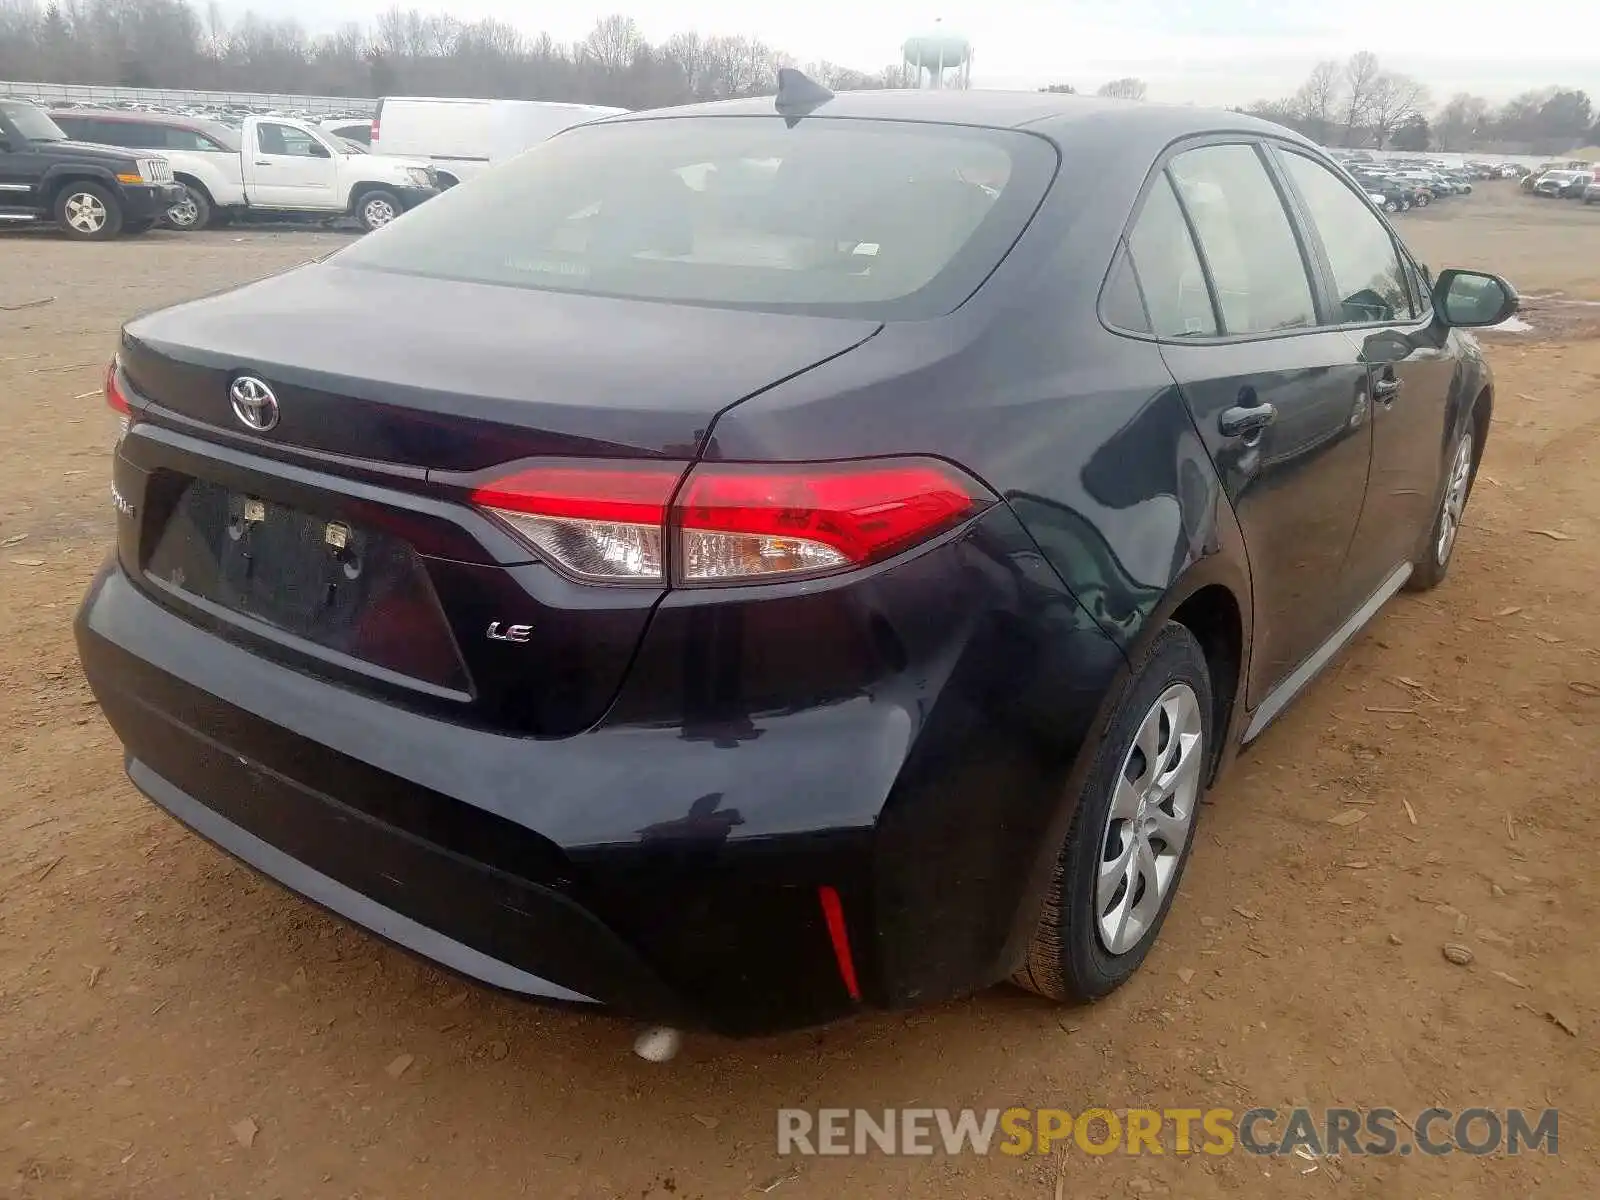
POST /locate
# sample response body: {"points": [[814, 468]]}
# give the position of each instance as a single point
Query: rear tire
{"points": [[87, 212], [1390, 206], [1432, 563], [1133, 829], [1424, 200], [377, 208]]}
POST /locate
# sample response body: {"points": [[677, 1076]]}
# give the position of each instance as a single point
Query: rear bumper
{"points": [[358, 906], [655, 918]]}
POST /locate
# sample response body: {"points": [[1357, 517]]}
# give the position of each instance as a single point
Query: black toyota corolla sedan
{"points": [[743, 564]]}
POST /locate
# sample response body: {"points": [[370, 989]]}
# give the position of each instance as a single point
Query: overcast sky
{"points": [[1216, 52]]}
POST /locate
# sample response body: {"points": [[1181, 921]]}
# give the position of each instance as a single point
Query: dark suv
{"points": [[91, 192]]}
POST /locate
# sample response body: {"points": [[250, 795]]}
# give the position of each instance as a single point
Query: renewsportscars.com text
{"points": [[1262, 1131]]}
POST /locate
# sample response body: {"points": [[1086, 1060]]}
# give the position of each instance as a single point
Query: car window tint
{"points": [[890, 219], [1168, 268], [1367, 272], [145, 137], [286, 139], [103, 133], [185, 139], [1255, 262], [1122, 307]]}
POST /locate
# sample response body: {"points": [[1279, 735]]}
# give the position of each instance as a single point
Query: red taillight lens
{"points": [[731, 522], [601, 521], [736, 521], [374, 130], [115, 396]]}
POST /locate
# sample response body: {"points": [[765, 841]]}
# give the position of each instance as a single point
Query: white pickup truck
{"points": [[270, 165]]}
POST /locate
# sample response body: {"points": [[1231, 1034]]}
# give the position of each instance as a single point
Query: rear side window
{"points": [[848, 217], [1168, 268], [1367, 272], [1121, 304], [1260, 275]]}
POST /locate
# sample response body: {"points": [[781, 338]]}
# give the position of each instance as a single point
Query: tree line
{"points": [[174, 44], [1359, 103]]}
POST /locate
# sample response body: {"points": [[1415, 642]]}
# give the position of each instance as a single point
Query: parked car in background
{"points": [[91, 192], [1391, 194], [271, 166], [463, 137], [744, 565], [1566, 185]]}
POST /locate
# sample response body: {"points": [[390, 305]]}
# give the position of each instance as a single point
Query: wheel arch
{"points": [[190, 180], [361, 189], [68, 174]]}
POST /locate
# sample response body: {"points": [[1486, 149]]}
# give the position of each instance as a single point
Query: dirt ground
{"points": [[161, 1006]]}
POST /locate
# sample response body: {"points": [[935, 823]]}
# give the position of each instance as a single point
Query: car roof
{"points": [[1079, 119], [133, 116]]}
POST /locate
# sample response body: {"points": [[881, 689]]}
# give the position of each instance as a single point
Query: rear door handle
{"points": [[1386, 389], [261, 162], [1242, 422]]}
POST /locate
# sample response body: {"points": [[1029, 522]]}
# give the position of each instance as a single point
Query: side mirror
{"points": [[318, 150], [1473, 299]]}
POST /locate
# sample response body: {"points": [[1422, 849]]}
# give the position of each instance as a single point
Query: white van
{"points": [[465, 137]]}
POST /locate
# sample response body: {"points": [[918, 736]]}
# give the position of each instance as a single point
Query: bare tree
{"points": [[1392, 100], [1360, 76], [1317, 101], [1127, 88], [613, 42]]}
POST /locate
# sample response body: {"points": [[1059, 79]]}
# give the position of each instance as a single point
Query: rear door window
{"points": [[1260, 275]]}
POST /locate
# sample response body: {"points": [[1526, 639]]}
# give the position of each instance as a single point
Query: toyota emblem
{"points": [[253, 403]]}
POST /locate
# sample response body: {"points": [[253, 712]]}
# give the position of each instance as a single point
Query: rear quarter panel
{"points": [[1085, 435]]}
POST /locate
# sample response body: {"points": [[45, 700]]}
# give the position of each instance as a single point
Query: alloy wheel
{"points": [[378, 213], [86, 213], [1152, 809], [184, 213], [1455, 500]]}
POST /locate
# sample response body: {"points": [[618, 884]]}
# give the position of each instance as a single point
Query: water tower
{"points": [[941, 59]]}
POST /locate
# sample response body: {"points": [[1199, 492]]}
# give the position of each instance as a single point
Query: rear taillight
{"points": [[600, 521], [117, 399], [730, 522], [734, 521], [115, 396], [374, 131]]}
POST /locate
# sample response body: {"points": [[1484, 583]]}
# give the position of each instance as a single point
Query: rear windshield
{"points": [[840, 217]]}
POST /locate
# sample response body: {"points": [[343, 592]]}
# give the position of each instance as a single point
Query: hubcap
{"points": [[185, 212], [86, 213], [1152, 810], [379, 212], [1455, 500]]}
